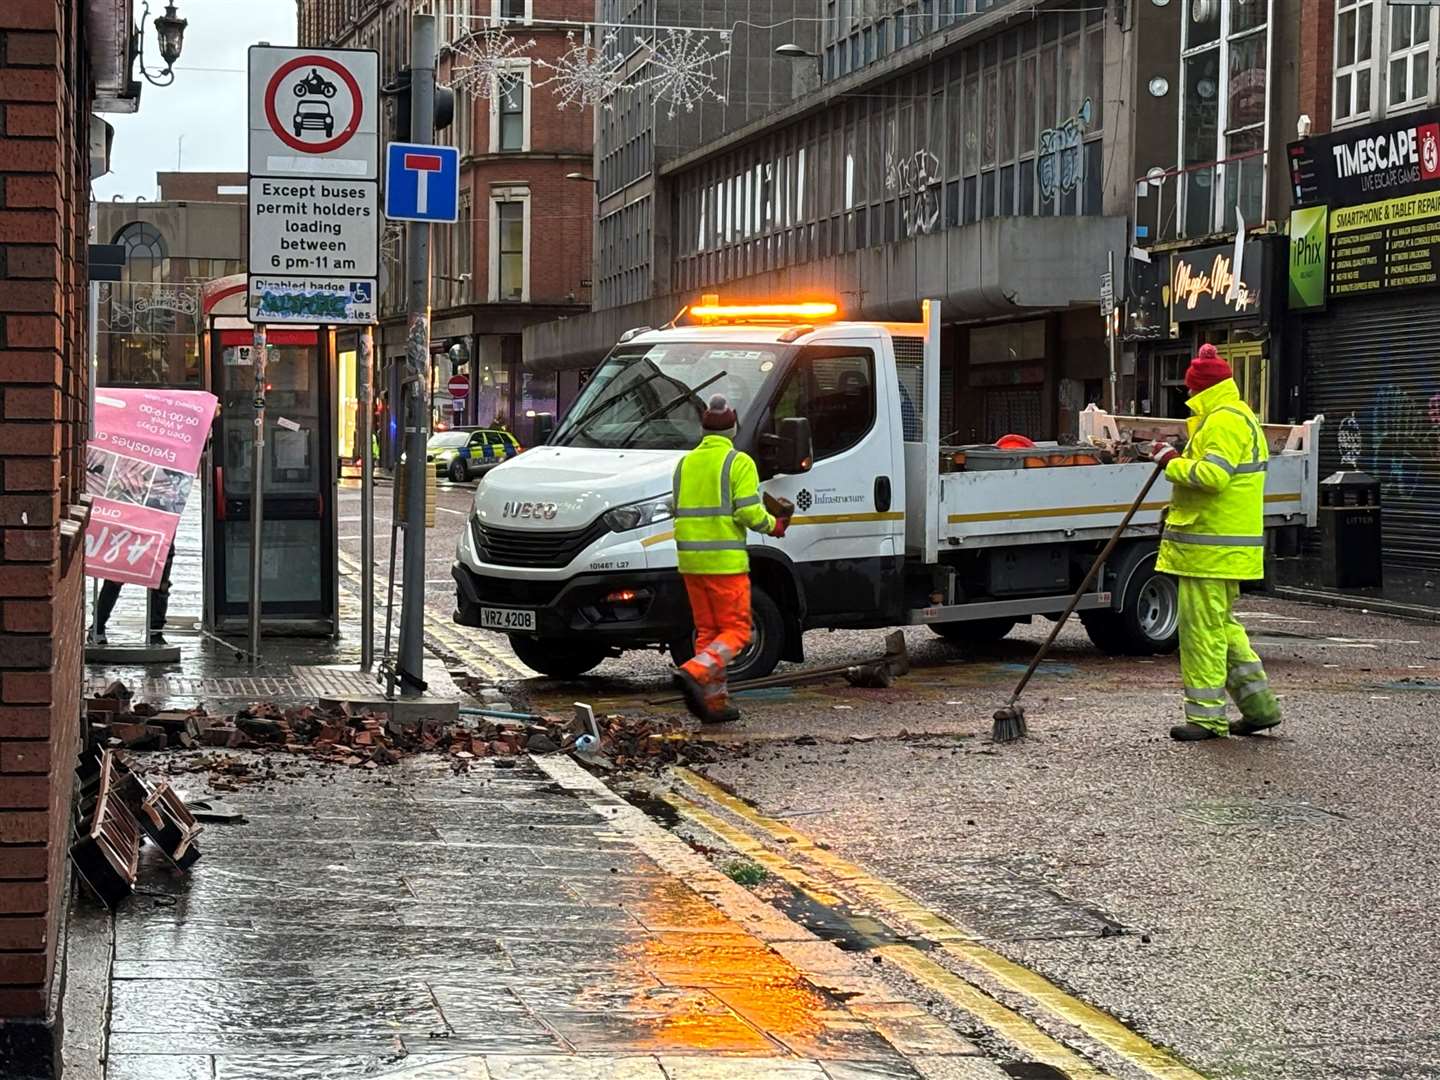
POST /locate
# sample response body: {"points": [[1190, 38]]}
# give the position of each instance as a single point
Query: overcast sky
{"points": [[204, 105]]}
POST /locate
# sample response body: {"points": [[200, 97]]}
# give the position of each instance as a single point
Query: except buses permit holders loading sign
{"points": [[314, 121]]}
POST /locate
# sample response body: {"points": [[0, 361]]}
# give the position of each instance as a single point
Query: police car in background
{"points": [[464, 453]]}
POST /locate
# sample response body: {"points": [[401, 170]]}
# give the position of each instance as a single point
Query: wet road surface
{"points": [[1263, 906]]}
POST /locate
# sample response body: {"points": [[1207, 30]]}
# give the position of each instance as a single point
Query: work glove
{"points": [[1163, 453], [781, 524]]}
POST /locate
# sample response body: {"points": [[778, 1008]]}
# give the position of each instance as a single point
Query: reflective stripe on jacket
{"points": [[1215, 527], [717, 497]]}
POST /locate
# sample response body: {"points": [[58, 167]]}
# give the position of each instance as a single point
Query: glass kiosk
{"points": [[299, 575]]}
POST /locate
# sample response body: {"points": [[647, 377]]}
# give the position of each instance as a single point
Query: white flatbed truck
{"points": [[570, 550]]}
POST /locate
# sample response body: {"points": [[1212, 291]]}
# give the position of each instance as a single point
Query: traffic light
{"points": [[399, 92]]}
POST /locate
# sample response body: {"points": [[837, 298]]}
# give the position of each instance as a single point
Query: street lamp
{"points": [[170, 38], [800, 83], [581, 177]]}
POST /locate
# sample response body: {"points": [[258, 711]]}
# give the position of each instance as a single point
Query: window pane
{"points": [[1070, 96], [1048, 114], [1362, 90], [1399, 28], [1420, 75], [512, 9], [1247, 82], [1342, 96], [1422, 27], [990, 109], [1399, 84], [1026, 138], [1363, 44], [1095, 77], [1202, 98], [973, 121], [1203, 23], [1246, 15], [836, 391], [1006, 148], [1345, 40], [512, 131], [512, 277]]}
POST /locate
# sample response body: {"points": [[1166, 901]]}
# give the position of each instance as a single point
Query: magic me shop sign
{"points": [[1206, 284], [1179, 287]]}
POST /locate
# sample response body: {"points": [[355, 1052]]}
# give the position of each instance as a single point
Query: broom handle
{"points": [[1090, 577]]}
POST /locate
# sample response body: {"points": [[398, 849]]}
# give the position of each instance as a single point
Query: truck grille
{"points": [[551, 548]]}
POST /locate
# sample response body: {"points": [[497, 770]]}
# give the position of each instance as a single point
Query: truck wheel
{"points": [[559, 660], [974, 631], [767, 639], [1148, 621]]}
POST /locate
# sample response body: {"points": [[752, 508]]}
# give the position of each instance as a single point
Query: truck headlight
{"points": [[625, 518]]}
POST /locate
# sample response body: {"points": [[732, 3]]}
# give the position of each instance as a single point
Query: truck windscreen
{"points": [[651, 397]]}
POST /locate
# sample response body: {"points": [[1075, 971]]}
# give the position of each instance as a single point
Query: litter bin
{"points": [[1350, 530]]}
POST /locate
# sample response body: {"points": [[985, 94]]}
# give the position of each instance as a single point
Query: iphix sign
{"points": [[422, 183]]}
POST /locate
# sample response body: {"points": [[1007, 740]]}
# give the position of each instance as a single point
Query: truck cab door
{"points": [[849, 508]]}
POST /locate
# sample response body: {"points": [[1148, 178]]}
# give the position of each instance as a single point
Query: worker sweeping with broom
{"points": [[717, 497], [1213, 540]]}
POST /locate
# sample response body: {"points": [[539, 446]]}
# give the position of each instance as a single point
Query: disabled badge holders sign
{"points": [[314, 143], [140, 465]]}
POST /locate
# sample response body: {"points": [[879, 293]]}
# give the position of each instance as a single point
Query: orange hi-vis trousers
{"points": [[720, 605]]}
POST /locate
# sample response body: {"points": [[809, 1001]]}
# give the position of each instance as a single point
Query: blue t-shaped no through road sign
{"points": [[422, 183]]}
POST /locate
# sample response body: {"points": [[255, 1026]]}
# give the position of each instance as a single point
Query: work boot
{"points": [[97, 636], [157, 638], [720, 710], [1193, 733], [693, 693], [1248, 725]]}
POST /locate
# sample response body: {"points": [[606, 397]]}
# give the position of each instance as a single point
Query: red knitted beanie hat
{"points": [[1206, 370]]}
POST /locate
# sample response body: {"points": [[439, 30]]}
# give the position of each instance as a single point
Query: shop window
{"points": [[835, 388]]}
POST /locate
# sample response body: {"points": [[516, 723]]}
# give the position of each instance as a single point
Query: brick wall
{"points": [[1317, 62], [44, 191]]}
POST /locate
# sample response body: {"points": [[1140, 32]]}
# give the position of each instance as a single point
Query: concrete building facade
{"points": [[150, 320]]}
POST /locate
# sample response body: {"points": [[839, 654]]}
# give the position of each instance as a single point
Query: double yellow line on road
{"points": [[829, 878], [450, 637]]}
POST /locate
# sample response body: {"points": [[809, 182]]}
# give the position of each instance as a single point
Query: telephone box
{"points": [[299, 575]]}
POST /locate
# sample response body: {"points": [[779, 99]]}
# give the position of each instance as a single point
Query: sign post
{"points": [[314, 209], [257, 497], [366, 376], [1107, 309], [411, 662]]}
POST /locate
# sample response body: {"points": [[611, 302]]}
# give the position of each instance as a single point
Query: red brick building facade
{"points": [[57, 57], [521, 253]]}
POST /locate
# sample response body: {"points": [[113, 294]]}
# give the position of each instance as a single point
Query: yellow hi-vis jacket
{"points": [[717, 497], [1215, 527]]}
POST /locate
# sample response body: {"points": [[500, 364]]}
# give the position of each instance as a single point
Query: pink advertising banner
{"points": [[140, 466]]}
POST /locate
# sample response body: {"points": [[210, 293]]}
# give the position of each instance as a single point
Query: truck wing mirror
{"points": [[791, 451]]}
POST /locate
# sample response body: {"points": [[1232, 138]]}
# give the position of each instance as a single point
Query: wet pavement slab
{"points": [[424, 924]]}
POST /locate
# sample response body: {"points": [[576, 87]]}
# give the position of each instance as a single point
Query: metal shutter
{"points": [[1373, 369]]}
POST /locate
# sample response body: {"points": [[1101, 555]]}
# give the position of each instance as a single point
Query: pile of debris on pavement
{"points": [[118, 810], [337, 734]]}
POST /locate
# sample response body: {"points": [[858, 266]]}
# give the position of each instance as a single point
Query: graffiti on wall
{"points": [[1058, 160], [1404, 437], [915, 178]]}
